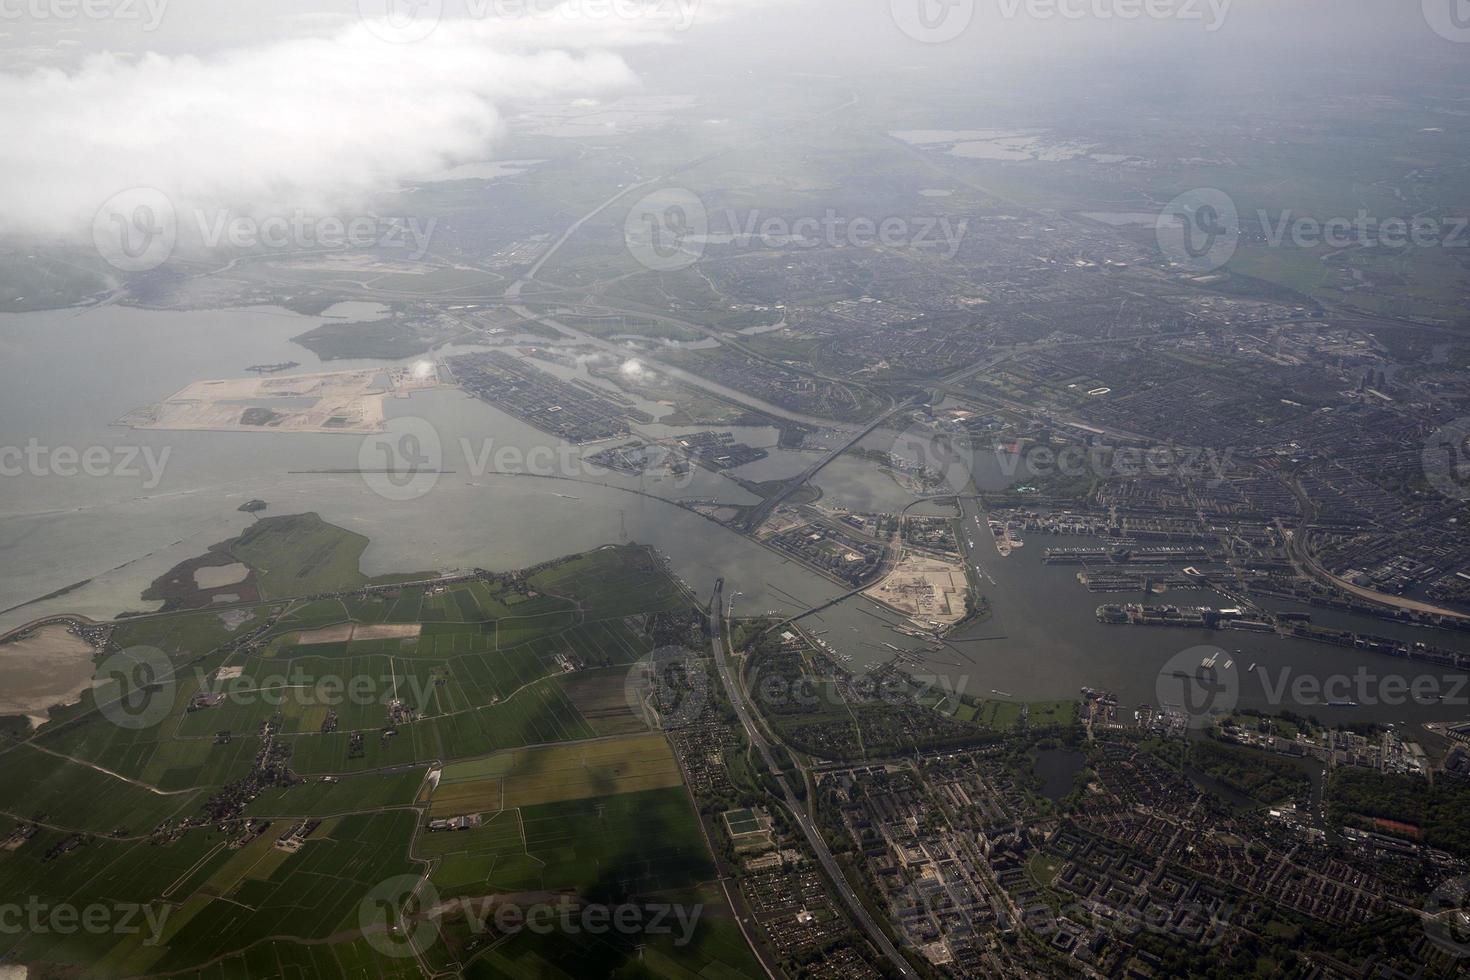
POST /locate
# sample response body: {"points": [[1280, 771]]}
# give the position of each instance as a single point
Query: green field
{"points": [[517, 677], [643, 847], [300, 554], [526, 777]]}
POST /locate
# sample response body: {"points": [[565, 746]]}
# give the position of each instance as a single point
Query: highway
{"points": [[813, 835], [758, 514]]}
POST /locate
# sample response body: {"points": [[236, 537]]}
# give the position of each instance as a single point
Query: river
{"points": [[65, 376]]}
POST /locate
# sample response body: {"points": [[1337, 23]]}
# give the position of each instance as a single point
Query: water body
{"points": [[856, 484], [66, 375], [119, 532], [1058, 768], [218, 576], [1044, 641]]}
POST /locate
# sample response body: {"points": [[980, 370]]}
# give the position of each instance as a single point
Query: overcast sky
{"points": [[296, 103]]}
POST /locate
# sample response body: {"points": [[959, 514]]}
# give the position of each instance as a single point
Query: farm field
{"points": [[282, 760], [642, 848], [527, 777]]}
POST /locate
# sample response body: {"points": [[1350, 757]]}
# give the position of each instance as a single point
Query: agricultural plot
{"points": [[313, 894], [348, 794], [524, 676], [462, 685], [316, 614], [600, 847], [610, 846], [516, 630], [405, 608], [349, 633], [301, 692], [528, 777], [33, 782], [487, 859], [500, 601], [369, 609], [537, 714], [102, 871], [707, 945], [148, 754], [614, 580], [354, 960], [601, 698], [189, 635]]}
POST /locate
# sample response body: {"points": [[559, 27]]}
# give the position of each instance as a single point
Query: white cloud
{"points": [[311, 123]]}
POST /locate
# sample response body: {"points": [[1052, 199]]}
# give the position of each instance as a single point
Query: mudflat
{"points": [[51, 666]]}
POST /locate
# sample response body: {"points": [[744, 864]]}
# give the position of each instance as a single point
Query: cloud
{"points": [[308, 123]]}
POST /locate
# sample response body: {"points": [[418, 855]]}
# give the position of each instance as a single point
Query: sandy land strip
{"points": [[336, 401], [51, 666]]}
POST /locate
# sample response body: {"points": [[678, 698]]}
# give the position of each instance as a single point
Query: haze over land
{"points": [[747, 488]]}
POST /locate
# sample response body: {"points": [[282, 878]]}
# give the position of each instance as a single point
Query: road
{"points": [[1298, 549], [757, 515], [514, 291], [679, 374], [798, 813]]}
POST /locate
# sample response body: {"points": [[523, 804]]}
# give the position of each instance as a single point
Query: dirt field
{"points": [[345, 632], [338, 401], [924, 589]]}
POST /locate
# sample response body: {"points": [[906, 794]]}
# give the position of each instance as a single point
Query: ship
{"points": [[273, 368], [1342, 704]]}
